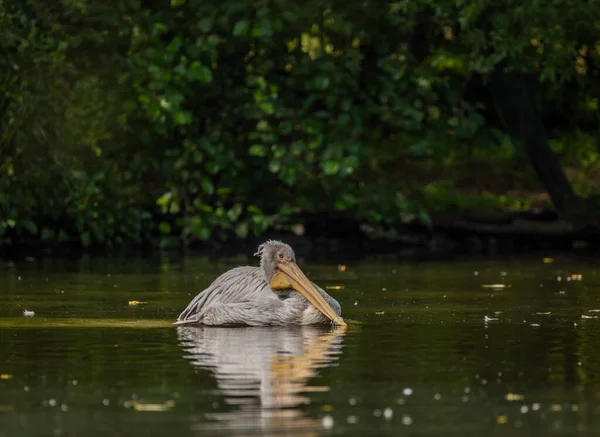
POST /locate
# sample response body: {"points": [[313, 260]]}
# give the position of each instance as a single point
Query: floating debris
{"points": [[133, 303], [380, 313], [6, 376], [496, 286], [327, 422], [140, 406], [576, 277], [487, 319], [351, 420], [334, 287], [407, 391], [544, 314], [341, 268], [514, 397], [583, 316], [388, 413], [548, 260], [407, 420], [535, 324], [501, 419], [28, 313], [594, 311]]}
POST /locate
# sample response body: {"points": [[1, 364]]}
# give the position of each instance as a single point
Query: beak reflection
{"points": [[289, 276]]}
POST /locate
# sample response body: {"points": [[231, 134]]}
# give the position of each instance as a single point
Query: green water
{"points": [[423, 361]]}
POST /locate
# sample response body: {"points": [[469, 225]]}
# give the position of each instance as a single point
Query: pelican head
{"points": [[278, 263]]}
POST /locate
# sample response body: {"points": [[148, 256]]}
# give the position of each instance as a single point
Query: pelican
{"points": [[275, 294]]}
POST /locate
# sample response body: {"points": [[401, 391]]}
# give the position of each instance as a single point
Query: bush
{"points": [[192, 119]]}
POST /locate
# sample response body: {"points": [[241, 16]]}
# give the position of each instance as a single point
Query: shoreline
{"points": [[450, 234]]}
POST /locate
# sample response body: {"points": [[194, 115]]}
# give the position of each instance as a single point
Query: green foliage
{"points": [[442, 196], [189, 120]]}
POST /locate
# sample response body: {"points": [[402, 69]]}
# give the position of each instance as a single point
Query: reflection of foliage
{"points": [[193, 119]]}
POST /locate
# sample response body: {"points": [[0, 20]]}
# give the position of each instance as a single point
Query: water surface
{"points": [[481, 347]]}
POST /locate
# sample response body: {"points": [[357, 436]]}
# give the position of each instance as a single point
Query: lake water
{"points": [[481, 347]]}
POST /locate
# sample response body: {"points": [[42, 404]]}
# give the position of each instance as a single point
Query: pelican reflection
{"points": [[263, 371]]}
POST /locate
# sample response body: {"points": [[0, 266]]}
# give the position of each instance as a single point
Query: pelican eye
{"points": [[281, 256]]}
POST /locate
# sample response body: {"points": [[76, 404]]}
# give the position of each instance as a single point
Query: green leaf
{"points": [[289, 16], [267, 108], [241, 28], [11, 223], [266, 29], [164, 199], [174, 208], [207, 186], [205, 24], [330, 167], [253, 209], [161, 27], [241, 230], [424, 217], [274, 166], [164, 228], [30, 226], [199, 72], [257, 150], [182, 117], [420, 147]]}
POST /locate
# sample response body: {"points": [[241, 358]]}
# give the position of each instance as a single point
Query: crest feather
{"points": [[265, 245]]}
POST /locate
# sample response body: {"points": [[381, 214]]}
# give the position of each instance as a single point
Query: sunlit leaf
{"points": [[257, 150], [330, 167]]}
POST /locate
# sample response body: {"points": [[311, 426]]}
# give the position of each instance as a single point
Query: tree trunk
{"points": [[516, 108]]}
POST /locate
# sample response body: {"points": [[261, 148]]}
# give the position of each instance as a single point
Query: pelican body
{"points": [[275, 294]]}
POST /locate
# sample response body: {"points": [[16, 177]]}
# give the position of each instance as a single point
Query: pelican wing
{"points": [[236, 286]]}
